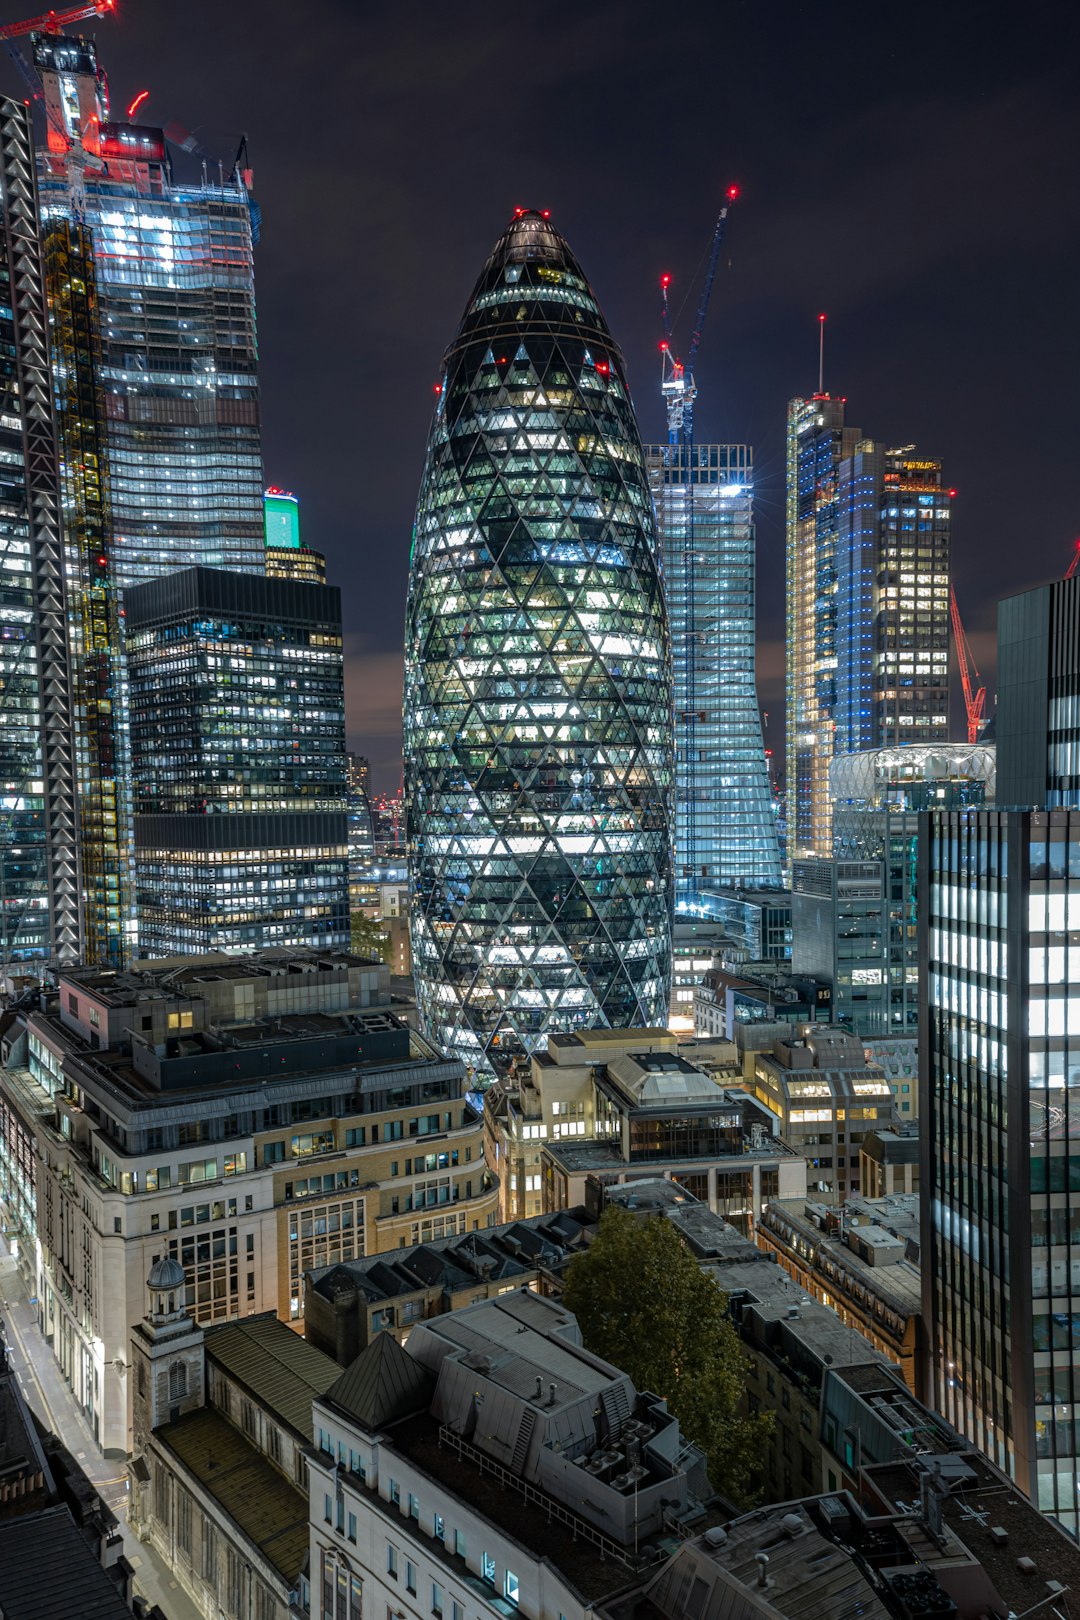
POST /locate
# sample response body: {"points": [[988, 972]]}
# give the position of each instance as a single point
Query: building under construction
{"points": [[39, 887], [725, 826], [149, 273]]}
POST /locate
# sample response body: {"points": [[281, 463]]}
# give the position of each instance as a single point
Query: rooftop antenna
{"points": [[821, 355]]}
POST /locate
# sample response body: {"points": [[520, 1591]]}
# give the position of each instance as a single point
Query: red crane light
{"points": [[665, 281], [546, 214], [438, 388], [952, 493], [663, 348], [733, 192]]}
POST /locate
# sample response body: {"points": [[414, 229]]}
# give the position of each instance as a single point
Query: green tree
{"points": [[644, 1304], [367, 938]]}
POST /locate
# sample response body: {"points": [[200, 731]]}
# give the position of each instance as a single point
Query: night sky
{"points": [[910, 170]]}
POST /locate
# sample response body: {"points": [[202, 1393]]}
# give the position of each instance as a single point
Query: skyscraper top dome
{"points": [[538, 734], [531, 235]]}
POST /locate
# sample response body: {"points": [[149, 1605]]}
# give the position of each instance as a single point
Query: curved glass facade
{"points": [[538, 728]]}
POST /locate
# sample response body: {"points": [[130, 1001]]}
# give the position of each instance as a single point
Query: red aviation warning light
{"points": [[1075, 563]]}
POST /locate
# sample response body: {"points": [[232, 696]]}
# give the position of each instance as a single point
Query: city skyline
{"points": [[925, 324]]}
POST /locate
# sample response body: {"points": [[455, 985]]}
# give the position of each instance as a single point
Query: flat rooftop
{"points": [[579, 1157], [981, 1503], [182, 975]]}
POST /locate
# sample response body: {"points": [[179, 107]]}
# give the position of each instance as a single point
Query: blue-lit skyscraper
{"points": [[725, 826], [538, 741], [868, 545]]}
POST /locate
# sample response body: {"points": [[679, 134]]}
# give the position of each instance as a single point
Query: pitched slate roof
{"points": [[282, 1371], [382, 1384], [48, 1572], [268, 1508]]}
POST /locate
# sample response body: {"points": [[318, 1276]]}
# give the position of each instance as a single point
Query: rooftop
{"points": [[594, 1153], [592, 1045], [282, 1372], [814, 1231], [183, 975], [49, 1572], [580, 1562], [777, 1561], [979, 1502], [450, 1264], [663, 1079], [268, 1509]]}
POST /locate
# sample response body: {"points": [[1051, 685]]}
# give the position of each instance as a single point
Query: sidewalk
{"points": [[47, 1393]]}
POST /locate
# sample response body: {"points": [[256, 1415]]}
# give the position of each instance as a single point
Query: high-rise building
{"points": [[892, 600], [287, 557], [39, 866], [854, 914], [1037, 724], [817, 442], [868, 542], [148, 271], [176, 313], [358, 772], [725, 825], [238, 763], [999, 905], [538, 738]]}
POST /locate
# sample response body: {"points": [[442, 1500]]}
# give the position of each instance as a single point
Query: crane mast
{"points": [[974, 695], [676, 378]]}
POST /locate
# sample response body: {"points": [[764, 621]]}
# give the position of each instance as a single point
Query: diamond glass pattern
{"points": [[538, 729]]}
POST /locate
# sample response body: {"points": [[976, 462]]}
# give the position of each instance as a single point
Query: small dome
{"points": [[166, 1273]]}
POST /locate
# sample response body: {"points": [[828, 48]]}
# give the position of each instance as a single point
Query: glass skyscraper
{"points": [[176, 304], [817, 441], [725, 826], [868, 549], [39, 881], [1000, 1183], [538, 736], [238, 763]]}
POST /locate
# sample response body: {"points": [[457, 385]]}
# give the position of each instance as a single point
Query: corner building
{"points": [[999, 918], [538, 729]]}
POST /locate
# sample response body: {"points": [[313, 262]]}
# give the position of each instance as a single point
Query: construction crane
{"points": [[58, 140], [51, 22], [679, 391], [676, 379], [1075, 564], [974, 695]]}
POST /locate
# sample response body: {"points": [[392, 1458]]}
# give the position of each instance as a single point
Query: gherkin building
{"points": [[538, 728]]}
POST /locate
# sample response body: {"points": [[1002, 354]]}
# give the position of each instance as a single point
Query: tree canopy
{"points": [[644, 1304], [368, 938]]}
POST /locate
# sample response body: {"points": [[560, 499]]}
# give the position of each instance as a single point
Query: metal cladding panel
{"points": [[538, 727]]}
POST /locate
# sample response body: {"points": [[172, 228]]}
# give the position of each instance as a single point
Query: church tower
{"points": [[166, 1355]]}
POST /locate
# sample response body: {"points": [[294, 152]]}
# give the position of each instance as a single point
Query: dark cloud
{"points": [[913, 173]]}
